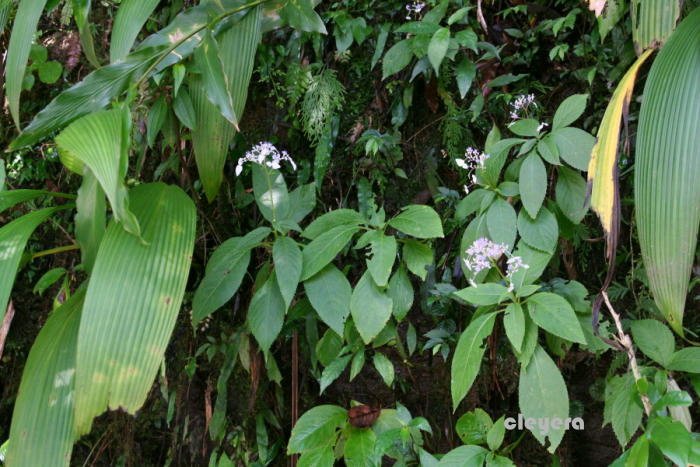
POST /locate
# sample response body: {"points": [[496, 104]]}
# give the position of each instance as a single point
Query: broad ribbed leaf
{"points": [[168, 46], [81, 11], [133, 298], [13, 239], [90, 218], [101, 141], [224, 273], [213, 133], [21, 39], [9, 198], [42, 431], [602, 168], [653, 22], [667, 192], [130, 18]]}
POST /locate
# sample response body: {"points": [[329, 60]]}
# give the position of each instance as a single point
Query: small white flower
{"points": [[473, 160], [514, 264], [521, 104], [482, 253], [266, 154], [541, 127], [466, 189], [414, 8]]}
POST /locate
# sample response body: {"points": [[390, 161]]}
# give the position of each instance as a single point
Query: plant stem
{"points": [[626, 342], [53, 251]]}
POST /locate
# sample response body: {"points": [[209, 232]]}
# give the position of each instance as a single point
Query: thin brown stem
{"points": [[5, 327]]}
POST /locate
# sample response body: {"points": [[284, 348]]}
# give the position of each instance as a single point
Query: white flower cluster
{"points": [[482, 254], [414, 7], [521, 104], [473, 159], [267, 154]]}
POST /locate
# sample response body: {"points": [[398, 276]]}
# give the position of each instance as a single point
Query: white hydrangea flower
{"points": [[265, 153], [482, 253], [473, 159], [414, 8]]}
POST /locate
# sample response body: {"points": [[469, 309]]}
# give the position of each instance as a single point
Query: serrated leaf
{"points": [[418, 257], [266, 313], [532, 182], [570, 194], [370, 308], [286, 256], [437, 48], [396, 58], [384, 367], [401, 292], [687, 360], [501, 222], [542, 232], [514, 324], [383, 251], [484, 294], [418, 221], [123, 336], [324, 248], [329, 293], [555, 315], [654, 339], [569, 111], [469, 352], [542, 394], [333, 371], [315, 427]]}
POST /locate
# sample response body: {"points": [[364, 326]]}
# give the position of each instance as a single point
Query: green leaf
{"points": [[514, 324], [671, 438], [396, 58], [302, 201], [224, 273], [437, 48], [130, 18], [370, 308], [90, 219], [419, 221], [484, 294], [465, 73], [653, 22], [271, 194], [554, 314], [464, 456], [321, 457], [654, 339], [494, 437], [469, 352], [300, 15], [332, 219], [266, 313], [384, 367], [21, 39], [571, 194], [548, 150], [315, 428], [214, 77], [687, 359], [667, 192], [101, 141], [473, 426], [359, 447], [123, 336], [501, 222], [569, 111], [358, 362], [13, 238], [536, 259], [324, 248], [48, 279], [184, 109], [542, 232], [333, 371], [43, 410], [418, 257], [639, 454], [329, 293], [50, 71], [287, 258], [383, 250], [575, 146], [81, 11], [622, 407], [533, 184], [472, 203], [542, 394], [9, 198], [401, 293], [525, 127]]}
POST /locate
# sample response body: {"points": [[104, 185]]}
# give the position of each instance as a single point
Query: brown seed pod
{"points": [[363, 416]]}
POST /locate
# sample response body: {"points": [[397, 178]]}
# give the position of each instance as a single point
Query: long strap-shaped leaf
{"points": [[213, 133], [10, 198], [23, 30], [101, 141], [42, 431], [602, 168], [133, 298], [90, 218], [667, 192], [652, 22], [13, 239], [81, 11], [130, 18]]}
